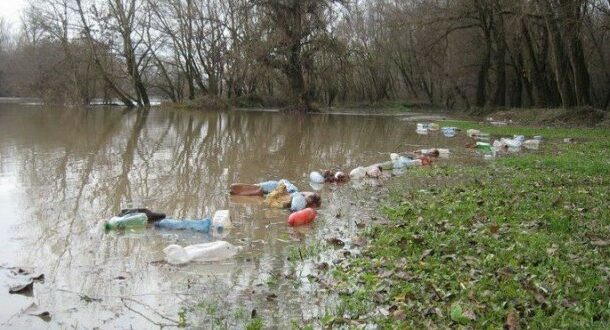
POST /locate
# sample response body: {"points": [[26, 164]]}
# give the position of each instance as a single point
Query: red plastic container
{"points": [[302, 217]]}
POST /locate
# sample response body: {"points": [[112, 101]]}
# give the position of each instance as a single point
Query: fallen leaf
{"points": [[494, 228], [23, 288], [358, 241], [399, 315], [34, 310], [335, 241], [512, 320], [425, 254]]}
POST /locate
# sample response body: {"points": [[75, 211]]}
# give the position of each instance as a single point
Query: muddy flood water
{"points": [[64, 172]]}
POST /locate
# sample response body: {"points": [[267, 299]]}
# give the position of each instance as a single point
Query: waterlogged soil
{"points": [[64, 172]]}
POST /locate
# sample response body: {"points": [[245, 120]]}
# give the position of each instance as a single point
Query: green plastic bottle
{"points": [[133, 220]]}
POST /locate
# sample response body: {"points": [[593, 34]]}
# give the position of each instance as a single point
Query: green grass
{"points": [[518, 238]]}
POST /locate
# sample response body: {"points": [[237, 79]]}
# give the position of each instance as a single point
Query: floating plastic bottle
{"points": [[221, 219], [152, 216], [214, 251], [316, 177], [133, 220], [196, 225], [373, 171], [298, 202], [357, 173], [268, 186], [302, 217]]}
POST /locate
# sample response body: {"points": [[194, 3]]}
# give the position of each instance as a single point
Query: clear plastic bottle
{"points": [[196, 225], [133, 220]]}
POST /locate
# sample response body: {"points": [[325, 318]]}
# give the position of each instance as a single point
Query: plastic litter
{"points": [[373, 171], [151, 215], [483, 147], [133, 220], [280, 197], [316, 177], [298, 202], [449, 131], [473, 132], [423, 131], [221, 219], [531, 144], [357, 173], [268, 186], [511, 143], [214, 251], [302, 217], [195, 225], [341, 177], [538, 137], [313, 199], [289, 186], [433, 127], [244, 189]]}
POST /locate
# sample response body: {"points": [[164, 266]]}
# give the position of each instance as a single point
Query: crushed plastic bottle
{"points": [[357, 173], [221, 219], [511, 143], [195, 225], [132, 220], [316, 177], [268, 186], [214, 251], [298, 202]]}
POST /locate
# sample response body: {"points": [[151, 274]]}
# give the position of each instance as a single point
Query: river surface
{"points": [[64, 172]]}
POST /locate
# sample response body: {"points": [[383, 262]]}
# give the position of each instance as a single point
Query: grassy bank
{"points": [[520, 242]]}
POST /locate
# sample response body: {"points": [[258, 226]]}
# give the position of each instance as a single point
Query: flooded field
{"points": [[62, 173]]}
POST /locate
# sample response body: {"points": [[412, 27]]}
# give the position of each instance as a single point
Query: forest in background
{"points": [[309, 54]]}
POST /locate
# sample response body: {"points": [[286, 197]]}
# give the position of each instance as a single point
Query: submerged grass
{"points": [[521, 242]]}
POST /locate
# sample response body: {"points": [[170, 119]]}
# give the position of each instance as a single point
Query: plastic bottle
{"points": [[298, 202], [289, 186], [473, 132], [268, 186], [423, 126], [531, 144], [214, 251], [511, 143], [302, 217], [373, 171], [483, 147], [316, 177], [244, 189], [133, 220], [150, 215], [433, 127], [357, 173], [196, 225], [449, 131], [422, 131], [221, 219]]}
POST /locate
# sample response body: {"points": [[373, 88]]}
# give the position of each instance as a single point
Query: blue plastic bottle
{"points": [[196, 225], [268, 186]]}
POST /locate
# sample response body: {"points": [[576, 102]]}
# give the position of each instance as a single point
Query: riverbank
{"points": [[520, 242]]}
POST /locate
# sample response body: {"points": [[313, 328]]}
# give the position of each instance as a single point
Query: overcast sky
{"points": [[10, 10]]}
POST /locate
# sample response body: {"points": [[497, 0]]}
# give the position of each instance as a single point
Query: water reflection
{"points": [[70, 170]]}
